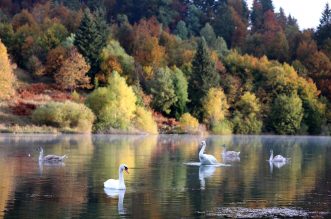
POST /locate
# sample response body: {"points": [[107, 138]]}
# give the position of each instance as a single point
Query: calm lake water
{"points": [[160, 185]]}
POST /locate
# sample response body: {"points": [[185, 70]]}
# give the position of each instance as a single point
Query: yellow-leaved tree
{"points": [[144, 121], [215, 106], [215, 109], [114, 105], [7, 77]]}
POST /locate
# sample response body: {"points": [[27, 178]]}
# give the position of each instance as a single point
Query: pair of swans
{"points": [[207, 159]]}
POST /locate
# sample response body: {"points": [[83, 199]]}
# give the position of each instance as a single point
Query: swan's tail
{"points": [[238, 153]]}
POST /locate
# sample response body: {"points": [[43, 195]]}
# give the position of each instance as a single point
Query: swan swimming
{"points": [[50, 158], [117, 183], [277, 158], [206, 159], [230, 154]]}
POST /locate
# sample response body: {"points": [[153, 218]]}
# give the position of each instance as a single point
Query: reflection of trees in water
{"points": [[250, 180], [65, 185], [158, 177]]}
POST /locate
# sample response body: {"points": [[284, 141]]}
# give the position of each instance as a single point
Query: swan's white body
{"points": [[205, 172], [117, 183], [277, 158], [206, 159], [230, 154], [50, 158]]}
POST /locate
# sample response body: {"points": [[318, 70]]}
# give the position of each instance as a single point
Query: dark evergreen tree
{"points": [[72, 4], [89, 40], [324, 29], [223, 23], [257, 16], [267, 5], [101, 24], [193, 20], [203, 77]]}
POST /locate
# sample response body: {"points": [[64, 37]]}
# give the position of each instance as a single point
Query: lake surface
{"points": [[160, 185]]}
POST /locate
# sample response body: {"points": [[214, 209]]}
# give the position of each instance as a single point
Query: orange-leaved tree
{"points": [[72, 73]]}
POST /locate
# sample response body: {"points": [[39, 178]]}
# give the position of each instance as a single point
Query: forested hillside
{"points": [[189, 65]]}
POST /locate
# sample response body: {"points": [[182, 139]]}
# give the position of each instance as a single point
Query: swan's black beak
{"points": [[127, 170]]}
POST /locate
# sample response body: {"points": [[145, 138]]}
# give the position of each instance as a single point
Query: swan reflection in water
{"points": [[278, 165], [205, 171], [113, 193], [231, 159], [41, 165]]}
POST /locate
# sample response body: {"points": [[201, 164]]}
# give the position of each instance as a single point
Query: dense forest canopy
{"points": [[234, 68]]}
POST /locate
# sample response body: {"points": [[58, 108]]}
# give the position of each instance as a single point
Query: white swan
{"points": [[206, 159], [277, 159], [50, 158], [230, 154], [117, 183]]}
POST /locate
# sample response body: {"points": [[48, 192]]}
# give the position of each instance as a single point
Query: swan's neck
{"points": [[41, 155], [271, 156], [121, 178], [202, 150]]}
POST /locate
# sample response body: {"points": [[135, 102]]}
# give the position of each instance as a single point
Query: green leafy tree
{"points": [[287, 114], [203, 77], [163, 90], [208, 33], [114, 51], [181, 30], [53, 36], [180, 87], [7, 35], [220, 47]]}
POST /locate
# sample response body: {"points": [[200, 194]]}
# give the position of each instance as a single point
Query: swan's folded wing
{"points": [[211, 158], [111, 183], [52, 158]]}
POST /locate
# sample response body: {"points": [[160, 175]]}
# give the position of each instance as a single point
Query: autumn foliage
{"points": [[234, 68], [7, 77]]}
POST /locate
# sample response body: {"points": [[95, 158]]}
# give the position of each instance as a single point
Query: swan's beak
{"points": [[127, 171]]}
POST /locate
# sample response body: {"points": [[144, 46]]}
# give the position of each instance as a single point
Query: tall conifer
{"points": [[89, 40], [204, 77]]}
